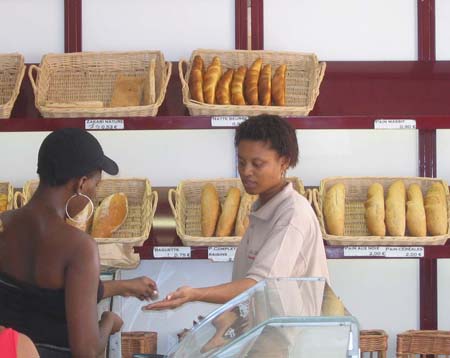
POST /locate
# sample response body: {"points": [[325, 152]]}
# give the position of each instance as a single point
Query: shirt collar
{"points": [[265, 212]]}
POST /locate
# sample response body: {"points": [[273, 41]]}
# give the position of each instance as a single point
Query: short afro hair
{"points": [[270, 129]]}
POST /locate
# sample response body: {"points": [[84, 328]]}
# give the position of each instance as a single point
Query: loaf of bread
{"points": [[331, 304], [83, 219], [334, 209], [415, 212], [436, 210], [374, 213], [242, 219], [396, 209], [110, 215], [3, 202], [127, 91], [237, 86], [223, 92], [210, 209], [230, 208], [279, 86], [212, 77], [265, 86], [196, 79], [251, 82]]}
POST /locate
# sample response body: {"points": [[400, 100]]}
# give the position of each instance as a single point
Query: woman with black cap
{"points": [[49, 270]]}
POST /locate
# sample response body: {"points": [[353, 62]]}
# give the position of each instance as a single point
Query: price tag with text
{"points": [[108, 124], [181, 252], [379, 251], [395, 124], [227, 121], [404, 251], [221, 254]]}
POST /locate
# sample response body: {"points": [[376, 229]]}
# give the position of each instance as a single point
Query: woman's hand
{"points": [[142, 287], [117, 322], [173, 300]]}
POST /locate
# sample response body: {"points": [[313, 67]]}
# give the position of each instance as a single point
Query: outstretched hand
{"points": [[173, 300], [142, 288]]}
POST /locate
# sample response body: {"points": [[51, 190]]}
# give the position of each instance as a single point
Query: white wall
{"points": [[32, 27], [443, 153], [372, 30], [442, 29], [176, 27]]}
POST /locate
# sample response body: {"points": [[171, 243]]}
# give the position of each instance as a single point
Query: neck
{"points": [[270, 193], [52, 199]]}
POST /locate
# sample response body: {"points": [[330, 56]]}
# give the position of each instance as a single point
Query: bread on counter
{"points": [[110, 215], [334, 209], [374, 210]]}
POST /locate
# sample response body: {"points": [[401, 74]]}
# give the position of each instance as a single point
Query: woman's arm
{"points": [[87, 337], [140, 287], [214, 294]]}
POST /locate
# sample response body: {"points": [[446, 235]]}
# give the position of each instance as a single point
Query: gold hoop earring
{"points": [[90, 203]]}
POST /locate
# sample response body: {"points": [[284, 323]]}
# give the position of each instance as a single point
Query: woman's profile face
{"points": [[88, 188], [260, 167]]}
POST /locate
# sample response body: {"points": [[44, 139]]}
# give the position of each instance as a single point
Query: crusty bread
{"points": [[196, 79], [251, 82], [83, 219], [242, 219], [212, 77], [279, 86], [374, 213], [265, 86], [110, 215], [396, 209], [127, 91], [334, 209], [3, 202], [230, 208], [237, 86], [415, 212], [436, 210], [223, 91], [210, 209]]}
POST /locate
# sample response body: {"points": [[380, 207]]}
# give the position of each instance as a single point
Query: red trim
{"points": [[428, 294], [426, 30], [72, 26], [257, 24], [241, 24], [427, 152]]}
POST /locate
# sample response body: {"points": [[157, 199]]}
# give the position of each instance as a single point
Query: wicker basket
{"points": [[117, 252], [90, 76], [138, 342], [371, 341], [7, 189], [355, 232], [12, 69], [185, 204], [303, 78], [414, 343]]}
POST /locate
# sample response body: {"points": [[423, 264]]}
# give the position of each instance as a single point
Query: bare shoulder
{"points": [[26, 348], [82, 246]]}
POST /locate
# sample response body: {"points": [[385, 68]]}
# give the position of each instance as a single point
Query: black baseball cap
{"points": [[71, 153]]}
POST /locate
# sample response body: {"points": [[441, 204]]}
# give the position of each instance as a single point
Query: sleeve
{"points": [[279, 255]]}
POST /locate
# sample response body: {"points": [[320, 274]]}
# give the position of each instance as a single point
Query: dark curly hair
{"points": [[270, 129]]}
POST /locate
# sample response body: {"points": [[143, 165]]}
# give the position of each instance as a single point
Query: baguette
{"points": [[237, 86], [436, 210], [230, 208], [196, 79], [212, 77], [251, 82], [265, 86], [81, 220], [415, 212], [279, 86], [334, 209], [374, 213], [127, 91], [110, 215], [3, 202], [210, 209], [242, 219], [395, 209], [223, 92]]}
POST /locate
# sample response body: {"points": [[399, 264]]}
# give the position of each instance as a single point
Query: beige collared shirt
{"points": [[282, 240]]}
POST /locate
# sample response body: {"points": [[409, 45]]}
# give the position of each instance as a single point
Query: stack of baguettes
{"points": [[255, 85]]}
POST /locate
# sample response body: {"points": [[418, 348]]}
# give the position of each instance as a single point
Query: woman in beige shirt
{"points": [[283, 238]]}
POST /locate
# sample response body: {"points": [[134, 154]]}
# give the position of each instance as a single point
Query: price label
{"points": [[104, 124], [160, 252], [404, 251], [227, 121], [221, 254], [379, 251], [395, 124]]}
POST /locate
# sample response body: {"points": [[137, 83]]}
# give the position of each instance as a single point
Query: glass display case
{"points": [[283, 317]]}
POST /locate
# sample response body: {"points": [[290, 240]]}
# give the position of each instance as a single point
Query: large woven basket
{"points": [[117, 251], [355, 231], [138, 342], [303, 78], [90, 76], [12, 69], [415, 343], [371, 341], [185, 204]]}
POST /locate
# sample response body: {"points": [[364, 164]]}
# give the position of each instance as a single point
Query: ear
{"points": [[79, 184], [285, 162]]}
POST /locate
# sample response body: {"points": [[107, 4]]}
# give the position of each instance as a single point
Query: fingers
{"points": [[164, 305]]}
